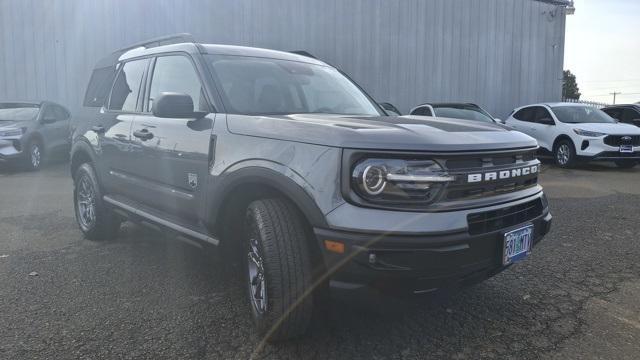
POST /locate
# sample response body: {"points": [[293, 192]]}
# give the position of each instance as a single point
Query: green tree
{"points": [[570, 89]]}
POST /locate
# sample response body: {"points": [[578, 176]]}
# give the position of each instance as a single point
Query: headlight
{"points": [[588, 133], [11, 133], [398, 181]]}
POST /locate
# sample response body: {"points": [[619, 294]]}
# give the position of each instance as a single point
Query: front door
{"points": [[113, 130], [172, 154], [542, 127]]}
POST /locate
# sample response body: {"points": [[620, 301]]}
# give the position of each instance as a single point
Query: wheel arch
{"points": [[241, 186], [81, 153], [560, 138]]}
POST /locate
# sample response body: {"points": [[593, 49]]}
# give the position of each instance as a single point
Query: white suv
{"points": [[574, 131]]}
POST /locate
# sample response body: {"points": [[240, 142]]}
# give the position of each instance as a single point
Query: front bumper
{"points": [[409, 264], [10, 149], [588, 148]]}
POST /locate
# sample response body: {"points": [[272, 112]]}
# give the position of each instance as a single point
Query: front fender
{"points": [[277, 176]]}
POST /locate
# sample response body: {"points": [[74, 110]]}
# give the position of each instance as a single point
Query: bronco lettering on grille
{"points": [[503, 174]]}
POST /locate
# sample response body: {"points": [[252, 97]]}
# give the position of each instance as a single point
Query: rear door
{"points": [[172, 158]]}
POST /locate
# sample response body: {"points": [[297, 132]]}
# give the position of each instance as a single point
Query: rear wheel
{"points": [[625, 164], [96, 221], [565, 154], [278, 269]]}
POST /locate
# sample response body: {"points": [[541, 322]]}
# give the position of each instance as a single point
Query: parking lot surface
{"points": [[143, 295]]}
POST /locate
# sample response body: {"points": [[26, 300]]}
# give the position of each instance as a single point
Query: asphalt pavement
{"points": [[145, 295]]}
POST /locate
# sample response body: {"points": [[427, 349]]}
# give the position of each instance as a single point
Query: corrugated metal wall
{"points": [[497, 53]]}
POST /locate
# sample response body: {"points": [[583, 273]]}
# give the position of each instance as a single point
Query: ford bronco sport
{"points": [[285, 156]]}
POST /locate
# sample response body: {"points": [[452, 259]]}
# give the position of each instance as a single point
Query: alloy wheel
{"points": [[257, 280], [86, 202], [36, 156], [563, 154]]}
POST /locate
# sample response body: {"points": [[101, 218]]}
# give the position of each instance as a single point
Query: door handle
{"points": [[143, 134], [98, 129]]}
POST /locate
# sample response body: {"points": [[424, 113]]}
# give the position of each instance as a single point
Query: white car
{"points": [[573, 132]]}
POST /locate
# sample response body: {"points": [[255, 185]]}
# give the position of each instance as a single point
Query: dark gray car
{"points": [[31, 130], [286, 163]]}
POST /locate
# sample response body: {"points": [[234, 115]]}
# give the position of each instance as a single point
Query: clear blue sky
{"points": [[603, 49]]}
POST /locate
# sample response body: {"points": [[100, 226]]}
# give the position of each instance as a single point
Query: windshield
{"points": [[581, 114], [18, 112], [466, 112], [261, 86]]}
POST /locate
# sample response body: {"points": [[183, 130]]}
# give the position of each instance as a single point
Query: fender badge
{"points": [[192, 180]]}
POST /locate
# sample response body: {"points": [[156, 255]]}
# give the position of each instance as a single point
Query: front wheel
{"points": [[565, 154], [278, 269], [96, 221], [625, 164], [34, 155]]}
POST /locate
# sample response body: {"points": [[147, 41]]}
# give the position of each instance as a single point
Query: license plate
{"points": [[626, 148], [517, 244]]}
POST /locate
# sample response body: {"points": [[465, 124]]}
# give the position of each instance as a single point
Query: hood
{"points": [[611, 129], [10, 124], [383, 133]]}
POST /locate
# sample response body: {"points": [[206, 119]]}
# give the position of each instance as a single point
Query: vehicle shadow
{"points": [[16, 167], [214, 288]]}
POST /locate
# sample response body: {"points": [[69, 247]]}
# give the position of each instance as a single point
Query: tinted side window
{"points": [[126, 88], [60, 112], [614, 113], [541, 113], [177, 74], [99, 86], [525, 114], [628, 115], [422, 111]]}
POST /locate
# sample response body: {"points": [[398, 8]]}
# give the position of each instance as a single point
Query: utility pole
{"points": [[614, 96]]}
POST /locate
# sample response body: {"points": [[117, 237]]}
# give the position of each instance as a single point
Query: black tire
{"points": [[104, 224], [278, 234], [34, 155], [564, 154], [625, 164]]}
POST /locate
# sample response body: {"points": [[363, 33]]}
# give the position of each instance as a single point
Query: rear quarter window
{"points": [[99, 86]]}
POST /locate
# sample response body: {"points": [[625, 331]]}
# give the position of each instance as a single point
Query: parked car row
{"points": [[31, 130], [570, 132]]}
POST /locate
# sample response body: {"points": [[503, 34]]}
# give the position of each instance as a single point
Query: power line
{"points": [[605, 81]]}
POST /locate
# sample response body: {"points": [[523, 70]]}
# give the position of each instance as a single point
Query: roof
{"points": [[184, 43], [257, 52], [444, 104], [623, 106]]}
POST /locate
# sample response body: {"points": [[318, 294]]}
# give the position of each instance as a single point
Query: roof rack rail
{"points": [[303, 53], [159, 41]]}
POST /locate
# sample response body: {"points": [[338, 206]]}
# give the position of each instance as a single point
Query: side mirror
{"points": [[388, 107], [48, 119], [546, 121], [499, 121], [173, 105]]}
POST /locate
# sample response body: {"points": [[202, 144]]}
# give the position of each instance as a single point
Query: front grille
{"points": [[488, 221], [462, 167], [617, 140]]}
